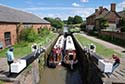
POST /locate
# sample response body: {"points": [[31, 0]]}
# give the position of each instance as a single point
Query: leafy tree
{"points": [[44, 31], [18, 29], [74, 20], [77, 19], [58, 24], [70, 20], [103, 23], [122, 24], [28, 34], [55, 22], [65, 21], [83, 27]]}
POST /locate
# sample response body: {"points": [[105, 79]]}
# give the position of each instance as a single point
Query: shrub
{"points": [[44, 32], [123, 29], [113, 40], [28, 34], [83, 27]]}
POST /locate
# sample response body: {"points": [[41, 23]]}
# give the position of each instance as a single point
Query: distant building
{"points": [[57, 18], [90, 20], [112, 18], [12, 20]]}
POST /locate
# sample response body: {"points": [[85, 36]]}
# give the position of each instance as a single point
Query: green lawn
{"points": [[100, 49], [21, 51], [1, 82]]}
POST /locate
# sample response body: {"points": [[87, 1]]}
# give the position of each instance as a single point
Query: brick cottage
{"points": [[111, 16]]}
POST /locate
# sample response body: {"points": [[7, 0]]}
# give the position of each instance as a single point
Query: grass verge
{"points": [[1, 82], [21, 50], [100, 49]]}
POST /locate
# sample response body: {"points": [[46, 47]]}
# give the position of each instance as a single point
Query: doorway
{"points": [[7, 37]]}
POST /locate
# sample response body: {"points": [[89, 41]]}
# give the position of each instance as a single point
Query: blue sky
{"points": [[62, 8]]}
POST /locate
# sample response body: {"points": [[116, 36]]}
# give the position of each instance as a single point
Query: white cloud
{"points": [[84, 0], [120, 6], [50, 8], [83, 12], [75, 4]]}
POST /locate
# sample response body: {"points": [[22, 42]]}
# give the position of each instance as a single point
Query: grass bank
{"points": [[24, 48], [100, 49], [1, 82]]}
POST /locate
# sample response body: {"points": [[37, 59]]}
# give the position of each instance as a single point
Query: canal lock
{"points": [[88, 70]]}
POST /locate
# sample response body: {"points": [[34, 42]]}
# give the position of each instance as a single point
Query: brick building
{"points": [[111, 16], [91, 19], [12, 20]]}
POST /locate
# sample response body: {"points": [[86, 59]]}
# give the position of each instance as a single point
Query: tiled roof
{"points": [[103, 14], [122, 13], [106, 13], [16, 16], [104, 10]]}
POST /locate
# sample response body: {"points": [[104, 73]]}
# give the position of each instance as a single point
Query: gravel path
{"points": [[106, 44]]}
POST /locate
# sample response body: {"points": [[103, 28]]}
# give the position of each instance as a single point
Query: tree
{"points": [[103, 23], [44, 32], [83, 26], [70, 20], [28, 34], [122, 24], [77, 19], [18, 29], [55, 22]]}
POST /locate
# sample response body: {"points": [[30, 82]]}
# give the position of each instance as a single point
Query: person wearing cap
{"points": [[116, 63], [10, 57]]}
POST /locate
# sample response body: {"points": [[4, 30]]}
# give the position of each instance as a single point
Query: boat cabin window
{"points": [[70, 57], [69, 41]]}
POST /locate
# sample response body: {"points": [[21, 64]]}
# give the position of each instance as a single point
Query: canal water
{"points": [[60, 75], [65, 29]]}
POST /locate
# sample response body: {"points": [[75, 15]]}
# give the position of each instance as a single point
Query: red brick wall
{"points": [[112, 17], [119, 35], [37, 26], [5, 27], [46, 25], [8, 28], [91, 20]]}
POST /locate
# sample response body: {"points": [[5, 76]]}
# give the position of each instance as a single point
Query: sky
{"points": [[62, 8]]}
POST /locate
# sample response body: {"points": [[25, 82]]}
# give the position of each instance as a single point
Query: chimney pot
{"points": [[96, 10], [101, 8], [113, 7]]}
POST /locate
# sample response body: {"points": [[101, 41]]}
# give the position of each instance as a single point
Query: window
{"points": [[7, 38]]}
